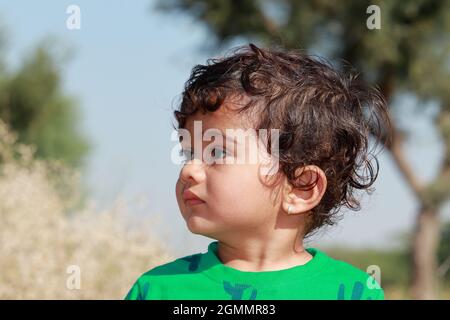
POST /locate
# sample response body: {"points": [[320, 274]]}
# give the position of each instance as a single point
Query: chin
{"points": [[198, 225]]}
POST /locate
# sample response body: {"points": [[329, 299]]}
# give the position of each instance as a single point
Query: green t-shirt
{"points": [[203, 276]]}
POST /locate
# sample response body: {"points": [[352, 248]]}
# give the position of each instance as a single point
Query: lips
{"points": [[190, 198]]}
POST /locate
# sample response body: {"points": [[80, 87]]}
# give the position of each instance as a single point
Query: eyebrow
{"points": [[227, 138]]}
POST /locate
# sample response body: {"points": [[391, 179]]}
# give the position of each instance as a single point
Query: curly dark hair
{"points": [[325, 117]]}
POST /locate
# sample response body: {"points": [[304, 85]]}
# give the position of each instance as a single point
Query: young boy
{"points": [[319, 121]]}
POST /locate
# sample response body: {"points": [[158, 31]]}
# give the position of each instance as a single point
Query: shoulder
{"points": [[351, 282], [170, 271], [183, 265]]}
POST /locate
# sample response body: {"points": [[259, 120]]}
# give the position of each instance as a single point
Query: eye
{"points": [[218, 153]]}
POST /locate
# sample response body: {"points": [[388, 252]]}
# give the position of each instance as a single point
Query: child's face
{"points": [[235, 199]]}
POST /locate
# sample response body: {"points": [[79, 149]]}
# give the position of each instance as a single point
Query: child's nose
{"points": [[193, 171]]}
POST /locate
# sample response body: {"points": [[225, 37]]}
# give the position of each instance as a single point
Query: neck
{"points": [[257, 255]]}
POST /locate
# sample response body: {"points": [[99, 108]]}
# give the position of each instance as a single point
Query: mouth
{"points": [[191, 199]]}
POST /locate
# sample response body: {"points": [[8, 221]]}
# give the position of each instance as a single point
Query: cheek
{"points": [[178, 192], [238, 193]]}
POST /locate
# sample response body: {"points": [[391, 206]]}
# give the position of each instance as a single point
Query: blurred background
{"points": [[87, 90]]}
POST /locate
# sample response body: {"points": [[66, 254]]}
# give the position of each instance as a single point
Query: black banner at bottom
{"points": [[217, 309]]}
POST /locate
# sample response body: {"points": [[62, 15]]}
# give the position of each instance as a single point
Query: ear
{"points": [[298, 201]]}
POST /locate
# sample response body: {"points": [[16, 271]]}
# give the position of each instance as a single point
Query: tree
{"points": [[444, 254], [408, 55], [34, 104]]}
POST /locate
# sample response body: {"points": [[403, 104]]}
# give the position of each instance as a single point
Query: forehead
{"points": [[226, 117]]}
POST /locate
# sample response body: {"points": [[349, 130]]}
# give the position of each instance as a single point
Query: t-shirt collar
{"points": [[216, 270]]}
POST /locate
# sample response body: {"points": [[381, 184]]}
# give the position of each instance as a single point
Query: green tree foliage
{"points": [[34, 104], [411, 46]]}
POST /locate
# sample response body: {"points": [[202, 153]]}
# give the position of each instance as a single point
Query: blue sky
{"points": [[128, 66]]}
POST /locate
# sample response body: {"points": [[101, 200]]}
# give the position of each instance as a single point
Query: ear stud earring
{"points": [[289, 209]]}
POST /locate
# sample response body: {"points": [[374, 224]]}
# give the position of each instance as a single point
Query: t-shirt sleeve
{"points": [[378, 294], [373, 290], [133, 293], [139, 291], [356, 284]]}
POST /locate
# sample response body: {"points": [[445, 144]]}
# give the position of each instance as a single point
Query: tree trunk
{"points": [[424, 247], [426, 237]]}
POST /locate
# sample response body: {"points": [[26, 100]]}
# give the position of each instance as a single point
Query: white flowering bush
{"points": [[48, 250]]}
